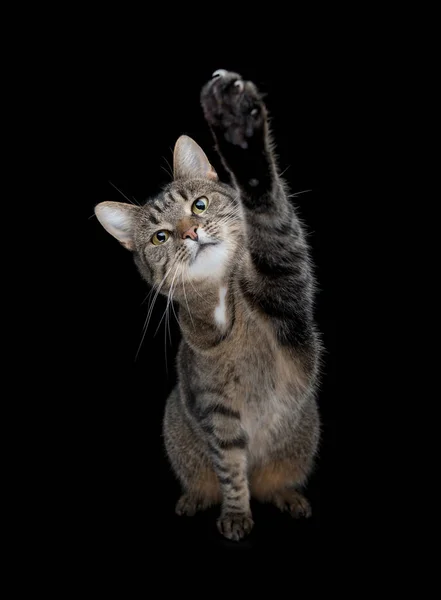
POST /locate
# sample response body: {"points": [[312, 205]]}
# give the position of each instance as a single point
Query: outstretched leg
{"points": [[237, 116]]}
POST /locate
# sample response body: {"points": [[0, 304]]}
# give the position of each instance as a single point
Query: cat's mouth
{"points": [[209, 259], [206, 245], [201, 249]]}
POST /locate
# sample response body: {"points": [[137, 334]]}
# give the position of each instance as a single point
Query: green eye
{"points": [[199, 206], [160, 237]]}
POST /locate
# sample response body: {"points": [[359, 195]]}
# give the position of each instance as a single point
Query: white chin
{"points": [[210, 262]]}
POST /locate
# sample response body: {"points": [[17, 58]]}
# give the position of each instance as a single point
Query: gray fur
{"points": [[243, 419]]}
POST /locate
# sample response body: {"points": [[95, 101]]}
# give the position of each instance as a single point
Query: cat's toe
{"points": [[235, 527], [233, 107], [187, 506], [223, 80], [293, 502], [219, 73]]}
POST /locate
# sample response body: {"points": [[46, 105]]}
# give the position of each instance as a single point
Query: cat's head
{"points": [[191, 231]]}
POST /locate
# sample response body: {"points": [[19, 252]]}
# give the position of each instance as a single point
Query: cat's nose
{"points": [[191, 233]]}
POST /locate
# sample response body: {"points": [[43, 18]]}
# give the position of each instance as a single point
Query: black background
{"points": [[125, 121]]}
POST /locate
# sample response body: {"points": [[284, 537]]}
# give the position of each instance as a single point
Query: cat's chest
{"points": [[262, 422], [220, 310]]}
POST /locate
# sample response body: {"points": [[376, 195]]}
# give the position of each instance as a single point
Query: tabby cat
{"points": [[243, 419]]}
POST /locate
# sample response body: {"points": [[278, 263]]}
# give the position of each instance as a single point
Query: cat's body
{"points": [[243, 418]]}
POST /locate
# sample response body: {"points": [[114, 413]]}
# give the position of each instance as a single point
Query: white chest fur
{"points": [[220, 312]]}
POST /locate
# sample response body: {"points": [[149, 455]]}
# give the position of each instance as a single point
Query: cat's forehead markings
{"points": [[170, 200], [153, 219]]}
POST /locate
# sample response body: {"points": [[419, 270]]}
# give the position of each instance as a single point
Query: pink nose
{"points": [[191, 233]]}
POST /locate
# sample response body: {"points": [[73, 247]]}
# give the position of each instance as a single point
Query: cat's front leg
{"points": [[235, 520], [237, 116], [227, 446]]}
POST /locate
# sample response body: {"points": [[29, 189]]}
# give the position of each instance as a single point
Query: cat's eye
{"points": [[160, 237], [200, 205]]}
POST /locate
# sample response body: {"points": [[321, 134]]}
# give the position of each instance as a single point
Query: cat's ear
{"points": [[118, 219], [190, 161]]}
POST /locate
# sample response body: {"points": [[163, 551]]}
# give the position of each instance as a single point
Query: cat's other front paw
{"points": [[233, 108], [235, 526]]}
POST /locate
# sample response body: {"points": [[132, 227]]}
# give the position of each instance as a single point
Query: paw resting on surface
{"points": [[189, 505], [233, 108], [293, 502], [235, 526]]}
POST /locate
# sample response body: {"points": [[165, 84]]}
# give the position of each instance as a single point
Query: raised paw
{"points": [[189, 505], [235, 526], [233, 108], [294, 502]]}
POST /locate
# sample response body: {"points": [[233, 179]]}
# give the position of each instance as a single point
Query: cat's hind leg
{"points": [[201, 491], [293, 501], [200, 485], [281, 477], [278, 482]]}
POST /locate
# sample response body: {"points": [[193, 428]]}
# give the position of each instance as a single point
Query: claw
{"points": [[219, 73]]}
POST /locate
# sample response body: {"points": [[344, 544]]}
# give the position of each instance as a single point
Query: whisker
{"points": [[172, 289], [154, 299], [170, 172], [185, 296], [154, 287], [298, 193], [164, 169], [168, 299], [150, 310], [173, 309], [195, 290], [123, 195], [169, 166], [284, 171]]}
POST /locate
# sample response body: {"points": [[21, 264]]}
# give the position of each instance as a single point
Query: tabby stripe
{"points": [[236, 496], [227, 412], [285, 229], [234, 506], [238, 489], [222, 468], [153, 219], [220, 410], [264, 267], [225, 480], [239, 442], [232, 513], [215, 451], [207, 427]]}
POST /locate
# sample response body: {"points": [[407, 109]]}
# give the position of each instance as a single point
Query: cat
{"points": [[243, 419]]}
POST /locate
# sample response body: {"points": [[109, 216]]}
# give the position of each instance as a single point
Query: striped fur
{"points": [[243, 419]]}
